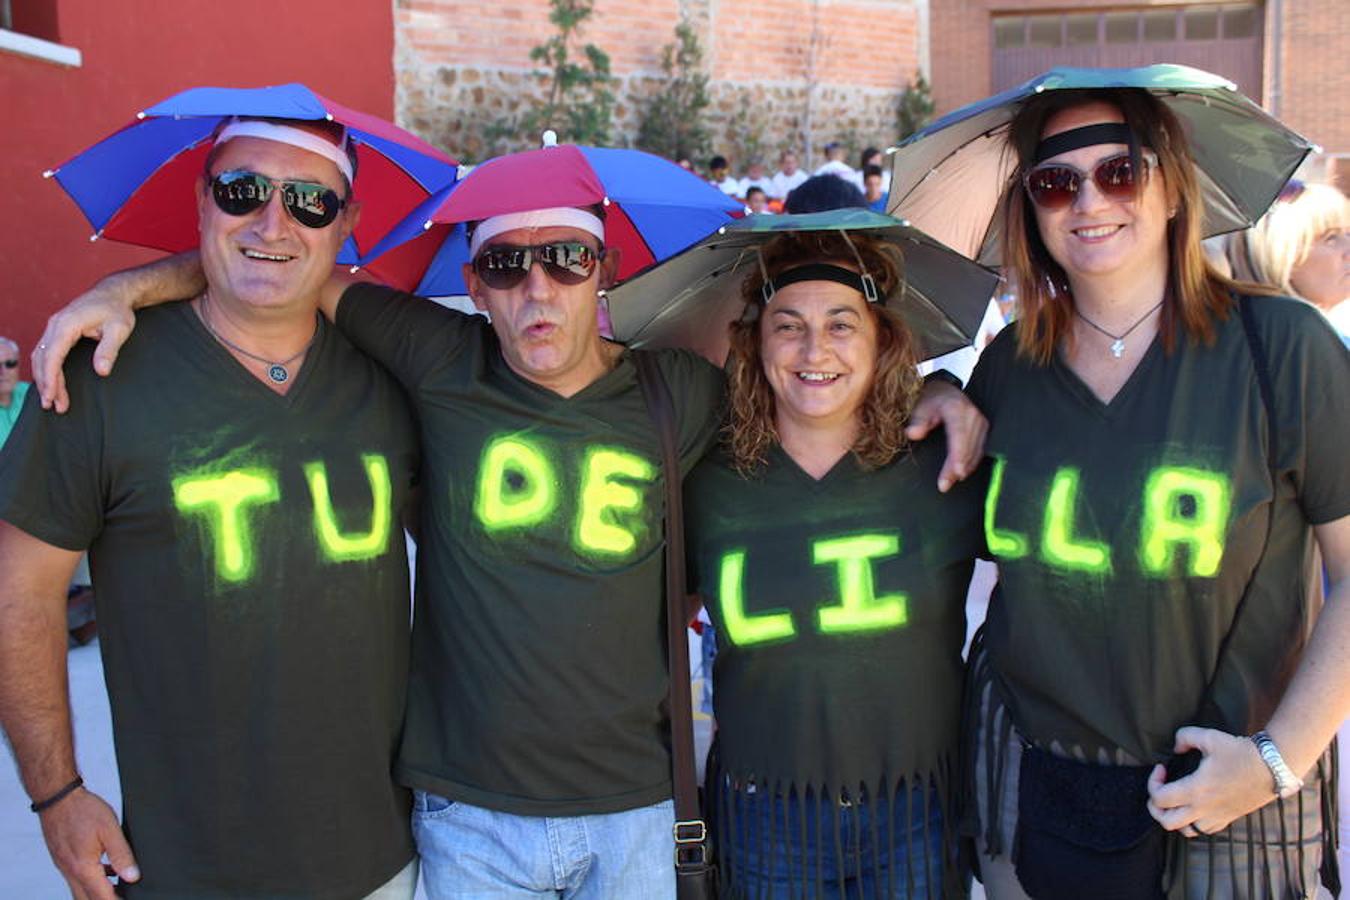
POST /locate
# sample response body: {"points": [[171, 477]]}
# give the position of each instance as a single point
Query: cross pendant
{"points": [[1118, 348]]}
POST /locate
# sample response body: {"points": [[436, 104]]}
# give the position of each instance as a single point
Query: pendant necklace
{"points": [[1118, 340], [276, 371]]}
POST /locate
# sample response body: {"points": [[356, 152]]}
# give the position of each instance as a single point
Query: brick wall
{"points": [[1314, 88], [463, 64], [1314, 51]]}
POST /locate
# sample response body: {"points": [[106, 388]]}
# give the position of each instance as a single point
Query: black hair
{"points": [[821, 192]]}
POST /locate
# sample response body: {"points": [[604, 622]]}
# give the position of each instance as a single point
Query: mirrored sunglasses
{"points": [[1056, 185], [239, 193], [502, 267]]}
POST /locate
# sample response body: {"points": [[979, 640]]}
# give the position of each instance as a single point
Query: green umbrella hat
{"points": [[948, 178]]}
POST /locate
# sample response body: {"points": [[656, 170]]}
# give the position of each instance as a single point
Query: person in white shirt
{"points": [[835, 165], [719, 175], [787, 177]]}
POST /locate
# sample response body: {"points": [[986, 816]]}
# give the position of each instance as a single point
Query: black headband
{"points": [[1087, 136], [822, 272]]}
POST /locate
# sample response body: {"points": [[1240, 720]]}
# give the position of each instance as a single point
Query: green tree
{"points": [[672, 121], [579, 91], [916, 106]]}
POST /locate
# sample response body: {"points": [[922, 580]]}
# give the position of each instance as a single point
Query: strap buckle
{"points": [[691, 847]]}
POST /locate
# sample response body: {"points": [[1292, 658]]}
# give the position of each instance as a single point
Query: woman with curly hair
{"points": [[1167, 452], [835, 573]]}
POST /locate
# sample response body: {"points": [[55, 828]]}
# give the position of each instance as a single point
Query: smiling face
{"points": [[265, 262], [1097, 237], [549, 332], [818, 343]]}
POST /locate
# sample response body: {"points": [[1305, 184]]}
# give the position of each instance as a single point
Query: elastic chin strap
{"points": [[1087, 136]]}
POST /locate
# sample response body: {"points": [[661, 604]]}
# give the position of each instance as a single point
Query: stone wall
{"points": [[777, 68]]}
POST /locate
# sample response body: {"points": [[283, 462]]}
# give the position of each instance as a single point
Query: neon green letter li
{"points": [[499, 505], [600, 493], [341, 547], [1004, 544], [1060, 547], [222, 500], [859, 609], [742, 628], [1165, 527]]}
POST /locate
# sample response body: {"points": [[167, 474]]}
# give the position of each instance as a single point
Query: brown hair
{"points": [[750, 429], [1196, 295]]}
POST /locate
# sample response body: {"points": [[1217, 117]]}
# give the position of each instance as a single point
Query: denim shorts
{"points": [[471, 852]]}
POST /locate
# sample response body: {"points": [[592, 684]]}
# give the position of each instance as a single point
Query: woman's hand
{"points": [[946, 405], [1232, 780]]}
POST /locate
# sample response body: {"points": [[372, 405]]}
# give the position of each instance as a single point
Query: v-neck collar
{"points": [[843, 468], [606, 384], [241, 373], [1107, 408]]}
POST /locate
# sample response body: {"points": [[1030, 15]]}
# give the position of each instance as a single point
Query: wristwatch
{"points": [[1287, 784]]}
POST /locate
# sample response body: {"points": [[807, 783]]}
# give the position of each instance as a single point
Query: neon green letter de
{"points": [[1005, 544], [859, 609], [600, 493], [222, 500], [499, 506], [341, 547], [1164, 529], [742, 628], [1061, 548]]}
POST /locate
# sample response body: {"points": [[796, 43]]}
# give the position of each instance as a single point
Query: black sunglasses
{"points": [[239, 193], [502, 267], [1056, 185], [9, 363]]}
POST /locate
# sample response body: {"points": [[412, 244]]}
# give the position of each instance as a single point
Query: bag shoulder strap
{"points": [[1209, 712], [691, 831]]}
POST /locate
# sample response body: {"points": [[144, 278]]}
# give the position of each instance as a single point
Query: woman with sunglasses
{"points": [[1153, 529], [835, 574], [12, 390]]}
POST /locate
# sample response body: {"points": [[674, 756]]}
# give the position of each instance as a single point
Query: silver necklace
{"points": [[1118, 340], [276, 371]]}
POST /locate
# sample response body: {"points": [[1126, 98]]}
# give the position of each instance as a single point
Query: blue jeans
{"points": [[472, 853], [792, 846]]}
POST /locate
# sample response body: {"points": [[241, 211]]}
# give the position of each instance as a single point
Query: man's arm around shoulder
{"points": [[35, 712]]}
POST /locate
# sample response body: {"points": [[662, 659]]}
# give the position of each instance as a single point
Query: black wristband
{"points": [[60, 795]]}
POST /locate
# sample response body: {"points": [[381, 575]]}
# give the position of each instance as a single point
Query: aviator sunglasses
{"points": [[566, 262], [239, 193], [1055, 185]]}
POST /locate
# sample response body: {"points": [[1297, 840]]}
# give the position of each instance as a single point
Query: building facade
{"points": [[1291, 56], [783, 73]]}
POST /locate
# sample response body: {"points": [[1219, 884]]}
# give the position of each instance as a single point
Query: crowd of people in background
{"points": [[765, 193]]}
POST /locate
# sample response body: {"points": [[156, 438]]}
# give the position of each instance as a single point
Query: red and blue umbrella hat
{"points": [[653, 210], [136, 185]]}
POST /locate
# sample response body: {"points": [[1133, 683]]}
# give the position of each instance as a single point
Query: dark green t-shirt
{"points": [[840, 613], [538, 675], [252, 591], [1126, 533]]}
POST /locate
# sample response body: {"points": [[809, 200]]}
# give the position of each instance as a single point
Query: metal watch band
{"points": [[1287, 784]]}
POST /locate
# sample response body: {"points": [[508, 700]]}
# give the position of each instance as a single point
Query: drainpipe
{"points": [[1276, 56]]}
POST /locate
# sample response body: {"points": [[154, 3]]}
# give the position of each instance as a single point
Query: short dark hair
{"points": [[821, 192], [869, 171], [717, 162], [754, 189], [868, 154]]}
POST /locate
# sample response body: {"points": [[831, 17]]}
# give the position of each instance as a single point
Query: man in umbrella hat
{"points": [[244, 534], [536, 736]]}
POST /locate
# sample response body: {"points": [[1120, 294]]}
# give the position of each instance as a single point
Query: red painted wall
{"points": [[136, 54]]}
